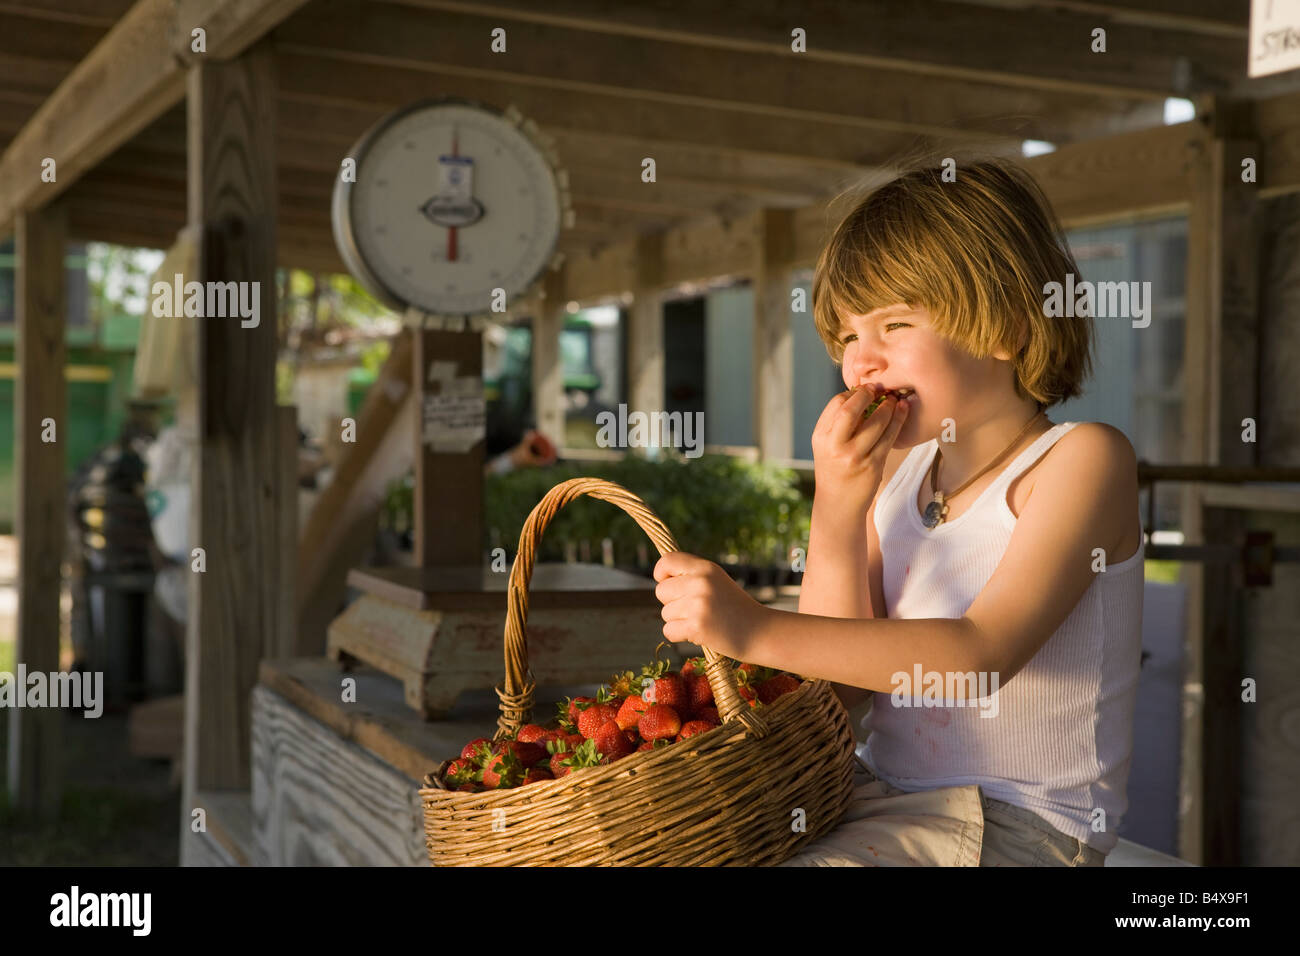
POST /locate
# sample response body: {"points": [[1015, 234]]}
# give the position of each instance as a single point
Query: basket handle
{"points": [[517, 696]]}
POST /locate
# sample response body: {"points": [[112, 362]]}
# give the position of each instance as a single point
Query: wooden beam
{"points": [[1211, 17], [1226, 218], [231, 25], [798, 134], [450, 435], [41, 433], [615, 203], [98, 13], [1221, 354], [1221, 658], [1052, 48], [1132, 172], [286, 532], [127, 80], [234, 603], [773, 339], [598, 167], [645, 334], [1276, 124], [22, 33], [549, 314], [310, 124], [654, 69], [27, 73], [130, 78]]}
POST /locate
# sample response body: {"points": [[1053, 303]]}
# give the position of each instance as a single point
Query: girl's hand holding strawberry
{"points": [[703, 605], [849, 452]]}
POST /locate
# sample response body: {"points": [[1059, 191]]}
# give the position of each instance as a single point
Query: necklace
{"points": [[936, 512]]}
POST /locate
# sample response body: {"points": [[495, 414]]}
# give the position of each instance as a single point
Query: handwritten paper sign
{"points": [[454, 416], [1274, 36]]}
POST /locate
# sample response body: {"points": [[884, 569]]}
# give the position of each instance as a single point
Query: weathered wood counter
{"points": [[335, 782]]}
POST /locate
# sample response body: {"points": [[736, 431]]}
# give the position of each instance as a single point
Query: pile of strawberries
{"points": [[635, 712]]}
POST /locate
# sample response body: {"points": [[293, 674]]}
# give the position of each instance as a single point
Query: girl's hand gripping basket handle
{"points": [[517, 697]]}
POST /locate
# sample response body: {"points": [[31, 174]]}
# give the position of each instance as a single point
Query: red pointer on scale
{"points": [[451, 230]]}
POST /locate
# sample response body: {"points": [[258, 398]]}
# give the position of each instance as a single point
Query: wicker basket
{"points": [[750, 792]]}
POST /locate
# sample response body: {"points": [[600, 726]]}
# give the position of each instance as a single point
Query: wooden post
{"points": [[40, 406], [773, 342], [235, 602], [645, 342], [450, 437], [548, 369], [1222, 361], [286, 510]]}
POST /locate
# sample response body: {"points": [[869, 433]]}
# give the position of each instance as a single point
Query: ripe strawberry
{"points": [[646, 745], [531, 733], [659, 721], [460, 771], [710, 714], [527, 753], [748, 692], [577, 705], [698, 692], [611, 740], [693, 727], [471, 750], [470, 788], [557, 765], [774, 687], [594, 717], [753, 674], [631, 712], [695, 665], [537, 773], [670, 691], [574, 740], [502, 770]]}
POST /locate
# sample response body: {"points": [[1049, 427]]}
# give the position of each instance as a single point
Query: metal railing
{"points": [[1256, 552]]}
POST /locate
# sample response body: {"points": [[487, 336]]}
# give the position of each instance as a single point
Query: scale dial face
{"points": [[451, 201]]}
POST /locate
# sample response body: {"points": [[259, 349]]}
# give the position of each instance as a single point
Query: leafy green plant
{"points": [[719, 507]]}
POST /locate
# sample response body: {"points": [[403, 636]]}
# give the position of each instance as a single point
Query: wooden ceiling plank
{"points": [[120, 86], [391, 87], [675, 73], [27, 35], [1052, 48], [1211, 17], [125, 82], [95, 13]]}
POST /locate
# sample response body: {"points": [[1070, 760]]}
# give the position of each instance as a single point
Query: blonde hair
{"points": [[976, 254]]}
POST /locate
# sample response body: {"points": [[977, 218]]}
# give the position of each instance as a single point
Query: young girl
{"points": [[960, 538]]}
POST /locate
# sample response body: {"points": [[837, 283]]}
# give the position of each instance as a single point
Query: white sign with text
{"points": [[1274, 36]]}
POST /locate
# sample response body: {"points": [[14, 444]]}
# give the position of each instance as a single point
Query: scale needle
{"points": [[451, 230]]}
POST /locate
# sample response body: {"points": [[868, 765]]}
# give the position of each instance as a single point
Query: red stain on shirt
{"points": [[936, 715]]}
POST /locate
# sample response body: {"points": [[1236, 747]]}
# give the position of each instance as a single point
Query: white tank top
{"points": [[1062, 739]]}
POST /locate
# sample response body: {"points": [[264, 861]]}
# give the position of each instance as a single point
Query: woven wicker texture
{"points": [[750, 792]]}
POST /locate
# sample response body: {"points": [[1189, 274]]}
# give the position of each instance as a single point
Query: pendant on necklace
{"points": [[935, 511]]}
